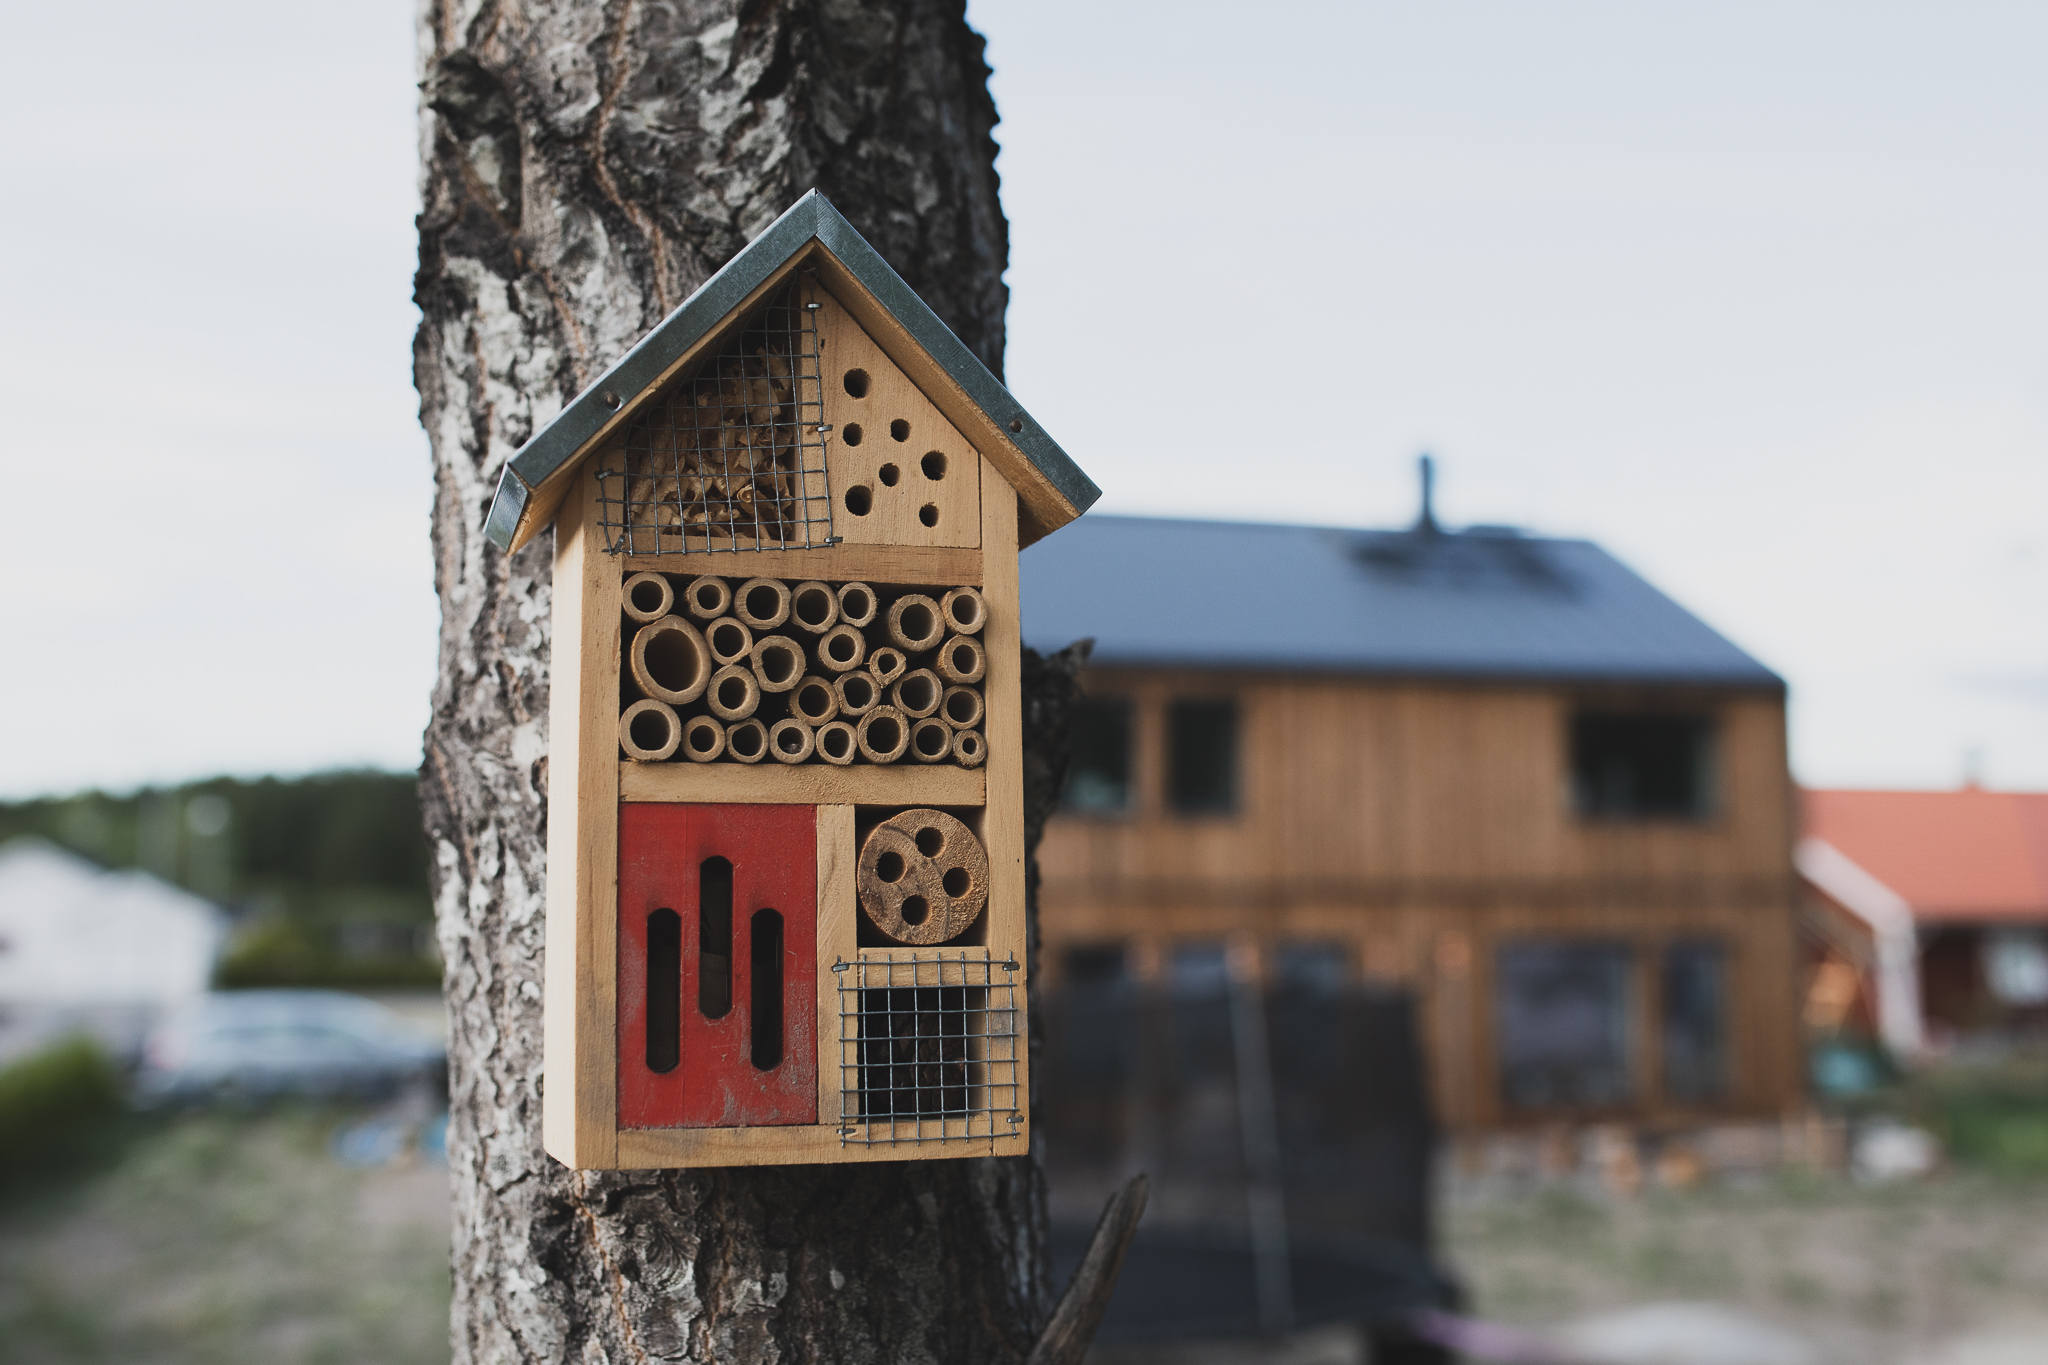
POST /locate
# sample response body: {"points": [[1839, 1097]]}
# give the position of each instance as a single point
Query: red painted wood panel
{"points": [[773, 852]]}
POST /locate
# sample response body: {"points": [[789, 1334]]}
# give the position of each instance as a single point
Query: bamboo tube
{"points": [[915, 624], [733, 694], [887, 665], [813, 702], [649, 731], [856, 693], [703, 739], [856, 604], [813, 606], [931, 740], [649, 597], [917, 693], [791, 741], [778, 663], [729, 641], [842, 648], [883, 735], [970, 750], [961, 660], [669, 661], [747, 740], [961, 708], [708, 598], [762, 603], [964, 610], [922, 877], [837, 743]]}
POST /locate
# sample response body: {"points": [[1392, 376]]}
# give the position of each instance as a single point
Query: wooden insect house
{"points": [[785, 805]]}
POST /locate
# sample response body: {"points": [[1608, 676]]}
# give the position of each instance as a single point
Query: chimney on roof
{"points": [[1426, 523]]}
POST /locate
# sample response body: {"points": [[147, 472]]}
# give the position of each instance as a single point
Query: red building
{"points": [[1927, 912]]}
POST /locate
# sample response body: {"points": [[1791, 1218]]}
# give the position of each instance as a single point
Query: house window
{"points": [[1695, 1014], [1097, 964], [1099, 777], [1561, 1023], [1634, 765], [1201, 751]]}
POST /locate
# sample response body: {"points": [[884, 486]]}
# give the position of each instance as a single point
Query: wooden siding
{"points": [[1421, 824]]}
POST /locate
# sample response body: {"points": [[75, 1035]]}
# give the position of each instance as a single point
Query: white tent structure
{"points": [[83, 946]]}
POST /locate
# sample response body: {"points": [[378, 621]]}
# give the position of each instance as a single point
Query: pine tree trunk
{"points": [[586, 165]]}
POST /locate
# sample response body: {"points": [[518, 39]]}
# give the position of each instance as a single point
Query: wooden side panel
{"points": [[727, 1027], [578, 1040], [1002, 830], [891, 451]]}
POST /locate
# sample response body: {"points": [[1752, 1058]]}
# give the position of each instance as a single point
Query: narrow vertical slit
{"points": [[766, 998], [714, 938], [664, 990]]}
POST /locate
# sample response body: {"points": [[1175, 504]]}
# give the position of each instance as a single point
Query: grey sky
{"points": [[1752, 294]]}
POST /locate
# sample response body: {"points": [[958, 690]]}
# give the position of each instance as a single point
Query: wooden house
{"points": [[1499, 771], [785, 806]]}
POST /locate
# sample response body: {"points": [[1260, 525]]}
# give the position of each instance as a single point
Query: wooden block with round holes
{"points": [[901, 474], [922, 877]]}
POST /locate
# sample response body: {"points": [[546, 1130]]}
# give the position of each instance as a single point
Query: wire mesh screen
{"points": [[732, 456], [928, 1048]]}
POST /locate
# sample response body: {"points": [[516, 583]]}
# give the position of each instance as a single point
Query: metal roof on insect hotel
{"points": [[1051, 488]]}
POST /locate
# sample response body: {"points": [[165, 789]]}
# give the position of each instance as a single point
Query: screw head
{"points": [[611, 400]]}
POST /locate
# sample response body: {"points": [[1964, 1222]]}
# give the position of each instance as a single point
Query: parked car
{"points": [[257, 1044]]}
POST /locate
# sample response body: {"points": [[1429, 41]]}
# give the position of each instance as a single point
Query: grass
{"points": [[224, 1237]]}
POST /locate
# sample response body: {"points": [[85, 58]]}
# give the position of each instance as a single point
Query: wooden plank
{"points": [[936, 566], [838, 937], [1042, 505], [579, 1012], [900, 473], [805, 784], [656, 1148], [1003, 815]]}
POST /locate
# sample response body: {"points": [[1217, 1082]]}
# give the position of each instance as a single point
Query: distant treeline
{"points": [[325, 875]]}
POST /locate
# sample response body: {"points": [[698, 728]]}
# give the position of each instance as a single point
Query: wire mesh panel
{"points": [[928, 1048], [731, 456]]}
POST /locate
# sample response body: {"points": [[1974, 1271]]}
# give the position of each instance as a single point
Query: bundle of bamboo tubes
{"points": [[800, 672]]}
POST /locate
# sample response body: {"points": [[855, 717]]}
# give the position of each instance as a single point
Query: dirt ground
{"points": [[226, 1238], [1949, 1271]]}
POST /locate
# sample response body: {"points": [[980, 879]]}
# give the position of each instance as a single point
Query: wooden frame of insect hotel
{"points": [[785, 796]]}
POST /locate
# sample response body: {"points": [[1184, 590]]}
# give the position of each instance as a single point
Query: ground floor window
{"points": [[1561, 1011]]}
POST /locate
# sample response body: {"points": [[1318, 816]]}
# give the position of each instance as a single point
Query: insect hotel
{"points": [[785, 808]]}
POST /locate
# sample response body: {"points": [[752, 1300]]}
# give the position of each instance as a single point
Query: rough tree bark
{"points": [[587, 163]]}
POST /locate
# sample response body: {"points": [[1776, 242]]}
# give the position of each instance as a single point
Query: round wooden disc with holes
{"points": [[922, 877]]}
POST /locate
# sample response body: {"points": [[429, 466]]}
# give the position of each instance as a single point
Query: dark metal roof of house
{"points": [[1480, 603]]}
